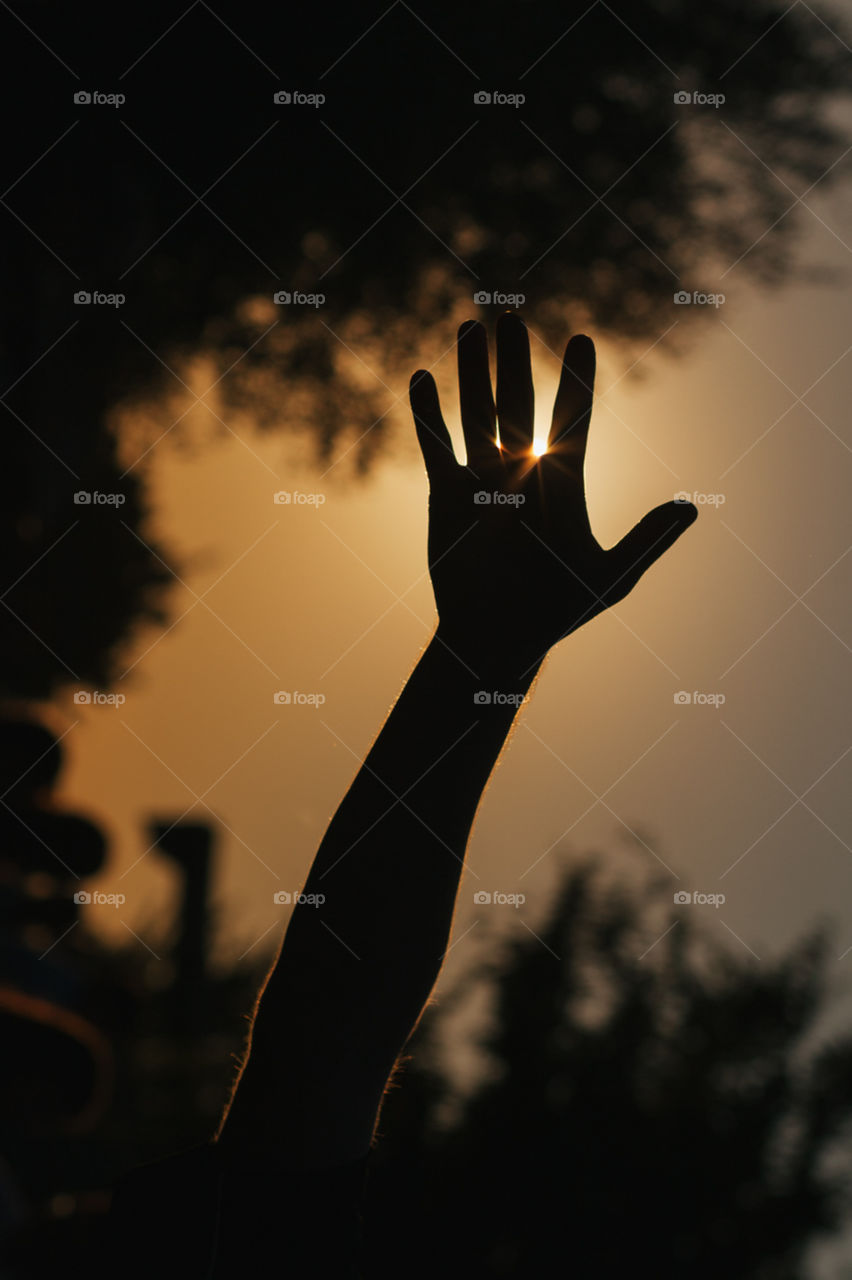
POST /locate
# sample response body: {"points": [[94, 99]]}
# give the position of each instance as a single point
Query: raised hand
{"points": [[514, 563], [511, 578]]}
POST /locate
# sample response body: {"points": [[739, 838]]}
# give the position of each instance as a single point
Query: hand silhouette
{"points": [[511, 578], [513, 560]]}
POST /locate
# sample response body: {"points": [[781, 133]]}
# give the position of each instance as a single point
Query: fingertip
{"points": [[580, 353], [423, 397], [420, 381], [468, 326], [687, 512]]}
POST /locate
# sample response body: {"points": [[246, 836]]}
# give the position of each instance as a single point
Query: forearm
{"points": [[403, 827], [355, 970]]}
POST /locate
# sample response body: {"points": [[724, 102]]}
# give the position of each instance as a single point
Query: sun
{"points": [[539, 446]]}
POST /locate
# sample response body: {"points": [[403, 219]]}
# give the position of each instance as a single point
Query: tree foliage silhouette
{"points": [[398, 199], [639, 1102]]}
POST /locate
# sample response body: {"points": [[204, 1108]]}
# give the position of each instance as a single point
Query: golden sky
{"points": [[333, 599]]}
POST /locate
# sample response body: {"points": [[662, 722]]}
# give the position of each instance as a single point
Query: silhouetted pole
{"points": [[189, 845]]}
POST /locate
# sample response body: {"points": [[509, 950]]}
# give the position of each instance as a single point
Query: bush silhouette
{"points": [[657, 1109]]}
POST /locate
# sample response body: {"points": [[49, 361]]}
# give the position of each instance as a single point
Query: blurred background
{"points": [[229, 239]]}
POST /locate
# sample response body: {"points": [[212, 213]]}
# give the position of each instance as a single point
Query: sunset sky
{"points": [[694, 739], [333, 599]]}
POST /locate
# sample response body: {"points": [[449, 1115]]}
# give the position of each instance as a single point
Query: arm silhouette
{"points": [[513, 573]]}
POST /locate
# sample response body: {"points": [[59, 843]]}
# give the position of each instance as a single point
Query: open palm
{"points": [[514, 563]]}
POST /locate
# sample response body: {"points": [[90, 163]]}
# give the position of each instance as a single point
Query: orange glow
{"points": [[539, 446]]}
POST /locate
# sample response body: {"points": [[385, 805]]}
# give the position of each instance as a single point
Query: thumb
{"points": [[649, 539]]}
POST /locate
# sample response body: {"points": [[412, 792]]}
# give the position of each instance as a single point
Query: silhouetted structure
{"points": [[106, 1064], [58, 1076], [189, 846]]}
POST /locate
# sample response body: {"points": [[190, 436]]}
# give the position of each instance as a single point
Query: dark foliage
{"points": [[637, 1105]]}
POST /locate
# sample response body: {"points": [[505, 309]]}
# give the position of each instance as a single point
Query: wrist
{"points": [[495, 669]]}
